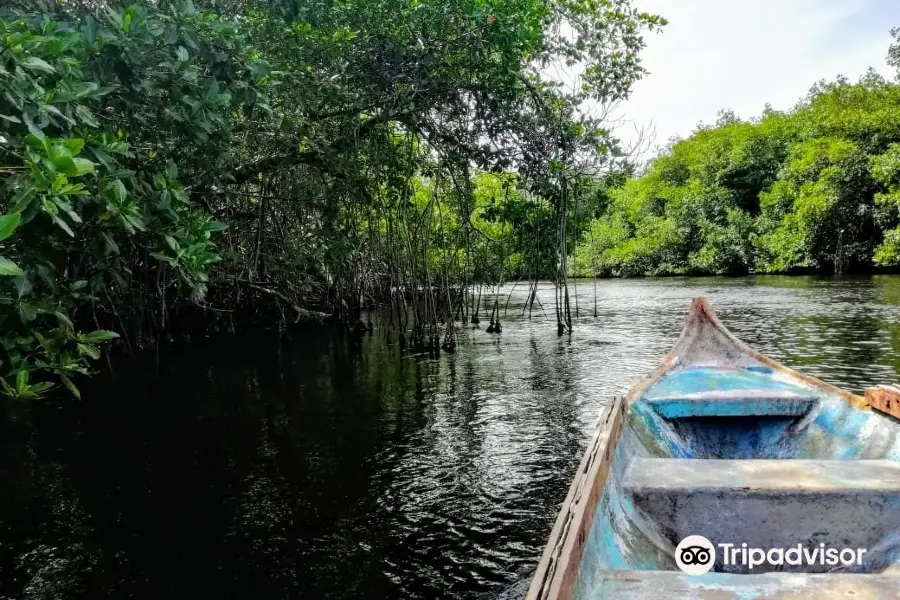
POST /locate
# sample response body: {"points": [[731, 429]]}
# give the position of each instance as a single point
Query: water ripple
{"points": [[338, 467]]}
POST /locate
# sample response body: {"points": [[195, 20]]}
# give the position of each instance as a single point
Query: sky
{"points": [[741, 54]]}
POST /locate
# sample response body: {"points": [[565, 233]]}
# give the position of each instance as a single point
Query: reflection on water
{"points": [[336, 466]]}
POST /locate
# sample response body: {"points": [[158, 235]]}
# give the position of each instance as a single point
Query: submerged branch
{"points": [[302, 313]]}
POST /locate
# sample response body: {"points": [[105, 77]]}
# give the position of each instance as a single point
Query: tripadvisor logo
{"points": [[696, 555]]}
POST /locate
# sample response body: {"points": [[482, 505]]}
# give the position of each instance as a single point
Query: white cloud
{"points": [[741, 54]]}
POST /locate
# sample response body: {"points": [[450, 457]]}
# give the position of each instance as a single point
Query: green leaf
{"points": [[67, 208], [118, 191], [41, 387], [111, 246], [21, 380], [55, 111], [37, 64], [213, 90], [83, 113], [182, 54], [35, 131], [27, 312], [162, 257], [8, 268], [74, 145], [22, 200], [171, 170], [114, 15], [73, 167], [64, 164], [11, 118], [83, 166], [89, 350], [38, 141], [104, 159], [135, 221], [23, 285], [49, 207], [90, 29], [62, 225], [63, 319], [70, 386], [8, 224], [99, 336]]}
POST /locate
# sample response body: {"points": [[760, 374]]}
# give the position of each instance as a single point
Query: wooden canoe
{"points": [[723, 442]]}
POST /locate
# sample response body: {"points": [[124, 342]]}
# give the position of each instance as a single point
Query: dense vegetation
{"points": [[170, 166], [816, 188]]}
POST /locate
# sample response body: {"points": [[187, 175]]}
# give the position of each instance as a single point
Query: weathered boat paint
{"points": [[885, 398], [722, 441]]}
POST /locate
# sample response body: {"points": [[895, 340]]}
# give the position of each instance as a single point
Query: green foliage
{"points": [[93, 117], [825, 206], [727, 247], [893, 57], [886, 172], [813, 189], [162, 158]]}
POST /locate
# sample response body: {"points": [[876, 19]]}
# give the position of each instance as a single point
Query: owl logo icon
{"points": [[695, 555]]}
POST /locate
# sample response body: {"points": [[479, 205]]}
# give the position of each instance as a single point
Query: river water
{"points": [[329, 465]]}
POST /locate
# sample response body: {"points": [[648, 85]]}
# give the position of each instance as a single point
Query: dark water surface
{"points": [[335, 466]]}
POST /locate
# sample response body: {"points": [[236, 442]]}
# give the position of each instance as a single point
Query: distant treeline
{"points": [[813, 189]]}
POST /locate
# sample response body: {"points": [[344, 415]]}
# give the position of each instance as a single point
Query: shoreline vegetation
{"points": [[175, 168], [815, 189]]}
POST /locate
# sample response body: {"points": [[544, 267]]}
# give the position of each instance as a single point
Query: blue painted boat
{"points": [[792, 484]]}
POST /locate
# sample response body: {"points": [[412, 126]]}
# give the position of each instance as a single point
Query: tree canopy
{"points": [[170, 166], [814, 188]]}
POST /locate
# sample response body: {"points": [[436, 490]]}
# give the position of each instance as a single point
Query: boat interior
{"points": [[725, 443]]}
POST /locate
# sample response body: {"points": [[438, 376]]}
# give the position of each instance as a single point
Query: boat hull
{"points": [[723, 442]]}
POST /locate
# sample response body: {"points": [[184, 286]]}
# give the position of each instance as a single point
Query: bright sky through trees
{"points": [[741, 54]]}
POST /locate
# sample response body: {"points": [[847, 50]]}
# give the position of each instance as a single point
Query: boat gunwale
{"points": [[555, 573], [554, 577]]}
